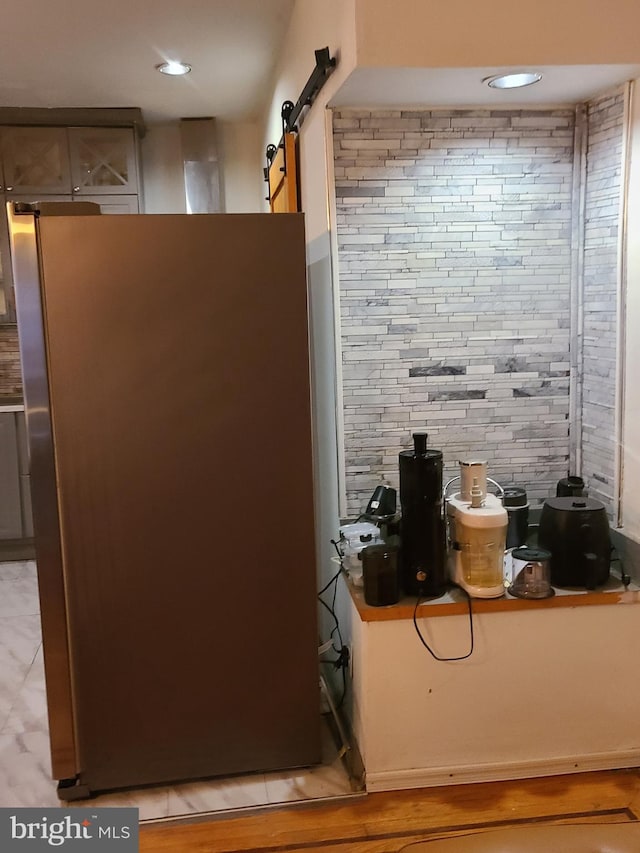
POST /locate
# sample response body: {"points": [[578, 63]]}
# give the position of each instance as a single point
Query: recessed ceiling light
{"points": [[513, 81], [174, 69]]}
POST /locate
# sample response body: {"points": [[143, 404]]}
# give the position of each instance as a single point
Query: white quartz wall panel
{"points": [[602, 218], [455, 260]]}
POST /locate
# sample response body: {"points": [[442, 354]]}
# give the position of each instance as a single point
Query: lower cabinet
{"points": [[23, 472], [10, 504], [15, 494]]}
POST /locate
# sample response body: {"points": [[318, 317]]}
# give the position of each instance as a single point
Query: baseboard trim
{"points": [[17, 550], [429, 777]]}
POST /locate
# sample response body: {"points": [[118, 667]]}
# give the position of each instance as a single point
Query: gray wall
{"points": [[323, 385], [602, 217], [454, 232]]}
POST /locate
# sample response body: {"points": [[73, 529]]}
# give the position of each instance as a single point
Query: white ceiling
{"points": [[461, 87], [102, 53]]}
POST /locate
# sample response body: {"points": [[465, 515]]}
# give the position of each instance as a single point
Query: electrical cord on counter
{"points": [[624, 577], [426, 645]]}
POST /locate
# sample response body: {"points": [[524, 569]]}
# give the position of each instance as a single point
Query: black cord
{"points": [[331, 609], [426, 645], [341, 662], [615, 558], [336, 628], [333, 580]]}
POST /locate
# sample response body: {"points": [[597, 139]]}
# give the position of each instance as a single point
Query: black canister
{"points": [[423, 569], [570, 487], [517, 507], [380, 575]]}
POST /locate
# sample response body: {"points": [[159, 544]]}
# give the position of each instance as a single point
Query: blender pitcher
{"points": [[477, 534], [482, 552]]}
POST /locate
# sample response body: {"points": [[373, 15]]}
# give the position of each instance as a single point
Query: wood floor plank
{"points": [[384, 822]]}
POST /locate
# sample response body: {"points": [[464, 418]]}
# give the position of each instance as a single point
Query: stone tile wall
{"points": [[454, 234], [602, 216], [10, 372]]}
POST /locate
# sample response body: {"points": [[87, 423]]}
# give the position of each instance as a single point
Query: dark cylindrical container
{"points": [[517, 507], [422, 524], [570, 487], [380, 575]]}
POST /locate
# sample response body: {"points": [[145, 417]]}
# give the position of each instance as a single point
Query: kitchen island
{"points": [[550, 687]]}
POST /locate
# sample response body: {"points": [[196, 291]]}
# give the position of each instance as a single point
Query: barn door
{"points": [[284, 195]]}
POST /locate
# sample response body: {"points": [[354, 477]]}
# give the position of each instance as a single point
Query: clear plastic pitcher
{"points": [[483, 556], [481, 538]]}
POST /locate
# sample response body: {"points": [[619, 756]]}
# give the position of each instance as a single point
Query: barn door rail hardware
{"points": [[291, 112]]}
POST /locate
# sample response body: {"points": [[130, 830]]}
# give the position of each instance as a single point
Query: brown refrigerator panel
{"points": [[179, 401]]}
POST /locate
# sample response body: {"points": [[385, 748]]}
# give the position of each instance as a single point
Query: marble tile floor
{"points": [[25, 774]]}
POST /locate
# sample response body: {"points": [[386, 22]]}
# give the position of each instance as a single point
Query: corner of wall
{"points": [[631, 416]]}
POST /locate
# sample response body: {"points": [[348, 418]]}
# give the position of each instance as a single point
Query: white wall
{"points": [[239, 149], [314, 26], [162, 173], [242, 157], [467, 34], [631, 421]]}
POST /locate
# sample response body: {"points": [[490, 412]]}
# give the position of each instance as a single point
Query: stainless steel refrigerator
{"points": [[166, 381]]}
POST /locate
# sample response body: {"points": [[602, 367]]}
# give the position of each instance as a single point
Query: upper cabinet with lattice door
{"points": [[43, 161], [35, 160], [103, 161], [59, 155]]}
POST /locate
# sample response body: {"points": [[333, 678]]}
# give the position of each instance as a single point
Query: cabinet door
{"points": [[103, 160], [10, 508], [36, 161], [7, 313], [22, 446]]}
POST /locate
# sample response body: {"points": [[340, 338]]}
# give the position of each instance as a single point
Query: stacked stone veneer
{"points": [[454, 233], [10, 373], [602, 216]]}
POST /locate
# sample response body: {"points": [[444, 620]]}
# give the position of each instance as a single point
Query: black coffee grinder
{"points": [[422, 527]]}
